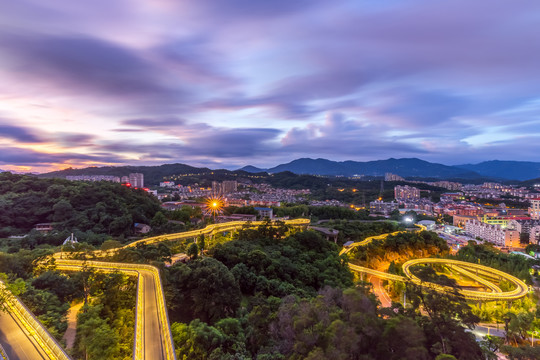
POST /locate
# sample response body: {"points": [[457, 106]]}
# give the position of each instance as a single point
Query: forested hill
{"points": [[100, 207], [152, 174]]}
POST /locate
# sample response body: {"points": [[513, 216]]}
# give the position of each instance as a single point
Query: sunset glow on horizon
{"points": [[224, 84]]}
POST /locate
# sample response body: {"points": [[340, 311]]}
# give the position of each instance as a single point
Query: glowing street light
{"points": [[214, 206]]}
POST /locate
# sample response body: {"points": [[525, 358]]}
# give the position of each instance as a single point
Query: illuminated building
{"points": [[381, 207], [406, 192], [534, 209], [136, 180]]}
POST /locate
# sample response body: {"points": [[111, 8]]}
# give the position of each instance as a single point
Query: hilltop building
{"points": [[136, 180], [392, 177]]}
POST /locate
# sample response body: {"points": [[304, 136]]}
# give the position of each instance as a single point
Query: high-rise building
{"points": [[406, 193], [229, 186], [216, 188], [534, 209], [124, 180], [136, 180]]}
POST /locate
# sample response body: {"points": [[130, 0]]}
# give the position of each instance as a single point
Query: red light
{"points": [[127, 184]]}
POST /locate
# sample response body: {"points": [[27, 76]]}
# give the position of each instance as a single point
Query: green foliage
{"points": [[193, 251], [95, 338], [105, 324], [523, 352], [359, 230], [299, 264], [447, 313], [8, 289], [97, 207], [48, 308], [487, 255], [399, 246], [143, 253], [198, 340], [203, 288]]}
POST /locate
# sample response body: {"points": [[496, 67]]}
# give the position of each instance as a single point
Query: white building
{"points": [[534, 209], [487, 232], [136, 180], [406, 192], [382, 207], [167, 184], [534, 235]]}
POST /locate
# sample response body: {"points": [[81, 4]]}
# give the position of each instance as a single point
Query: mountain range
{"points": [[406, 167], [409, 167]]}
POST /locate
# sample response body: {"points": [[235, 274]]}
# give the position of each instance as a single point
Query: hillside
{"points": [[512, 170], [102, 208], [152, 174], [406, 167]]}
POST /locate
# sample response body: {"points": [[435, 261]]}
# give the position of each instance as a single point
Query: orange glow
{"points": [[214, 206]]}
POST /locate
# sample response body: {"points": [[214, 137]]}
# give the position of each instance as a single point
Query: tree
{"points": [[95, 339], [402, 339], [158, 221], [193, 251], [110, 244], [447, 312], [7, 290], [201, 243], [205, 288], [62, 210]]}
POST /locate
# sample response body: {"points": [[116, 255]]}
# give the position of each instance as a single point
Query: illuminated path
{"points": [[466, 268], [23, 336], [153, 338], [28, 339]]}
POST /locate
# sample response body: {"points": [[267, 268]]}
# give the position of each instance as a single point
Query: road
{"points": [[379, 291], [16, 341], [153, 340], [520, 290]]}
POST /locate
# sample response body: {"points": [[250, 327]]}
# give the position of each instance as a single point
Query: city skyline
{"points": [[225, 85]]}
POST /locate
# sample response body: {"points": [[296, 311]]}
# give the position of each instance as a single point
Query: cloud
{"points": [[89, 66], [154, 122], [344, 138], [18, 133], [223, 81], [23, 156]]}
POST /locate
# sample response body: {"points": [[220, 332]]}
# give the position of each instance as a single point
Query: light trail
{"points": [[149, 287], [497, 294]]}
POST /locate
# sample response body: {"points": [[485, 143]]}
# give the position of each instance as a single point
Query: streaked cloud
{"points": [[237, 82]]}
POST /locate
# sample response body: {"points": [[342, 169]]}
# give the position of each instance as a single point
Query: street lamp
{"points": [[214, 206]]}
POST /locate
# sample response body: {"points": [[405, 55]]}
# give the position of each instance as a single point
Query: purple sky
{"points": [[236, 82]]}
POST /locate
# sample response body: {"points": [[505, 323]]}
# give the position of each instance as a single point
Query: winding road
{"points": [[466, 268], [25, 338]]}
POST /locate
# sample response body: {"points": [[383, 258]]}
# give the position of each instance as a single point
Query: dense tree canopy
{"points": [[98, 207]]}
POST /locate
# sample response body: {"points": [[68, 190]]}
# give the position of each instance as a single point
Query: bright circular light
{"points": [[214, 206]]}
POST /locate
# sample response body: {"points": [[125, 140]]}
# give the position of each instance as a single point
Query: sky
{"points": [[229, 83]]}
